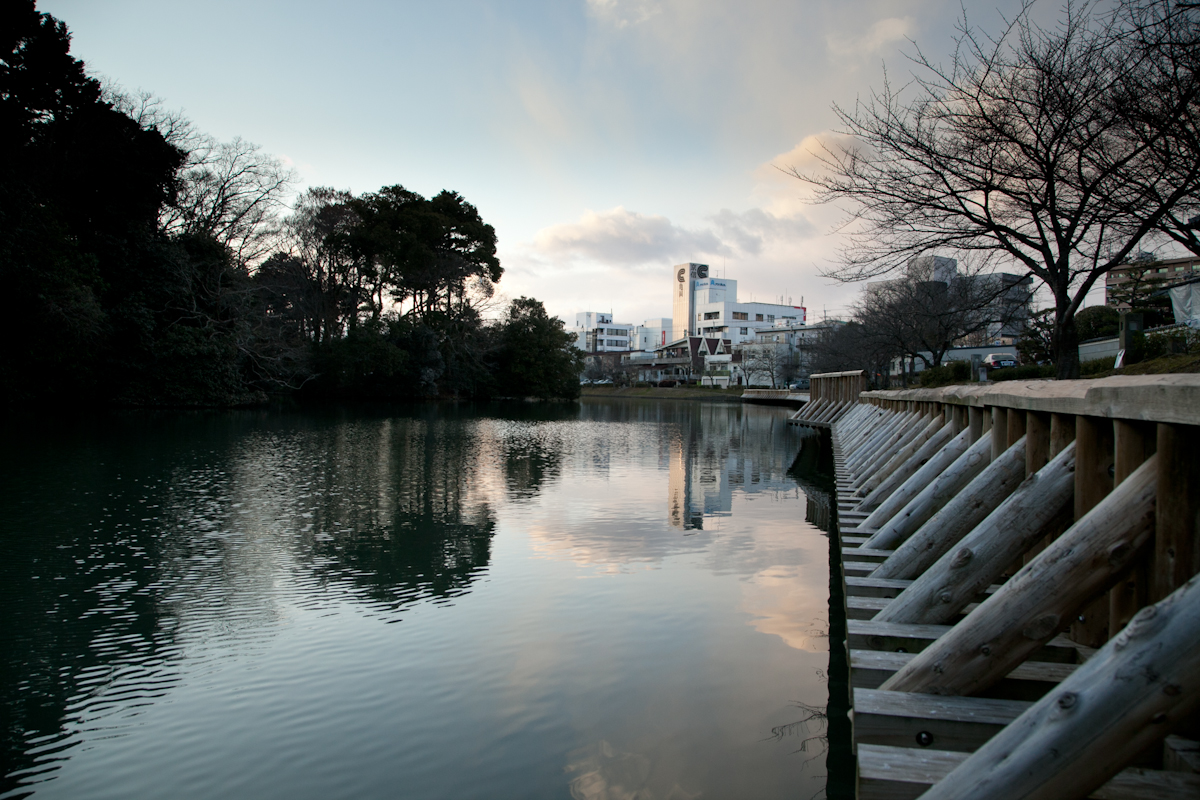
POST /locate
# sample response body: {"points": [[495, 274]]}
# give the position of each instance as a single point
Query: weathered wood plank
{"points": [[903, 719], [871, 634], [1177, 522], [934, 485], [1093, 458], [1124, 700], [906, 470], [972, 506], [1036, 603], [902, 773]]}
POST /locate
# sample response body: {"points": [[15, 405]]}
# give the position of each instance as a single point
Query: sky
{"points": [[605, 140]]}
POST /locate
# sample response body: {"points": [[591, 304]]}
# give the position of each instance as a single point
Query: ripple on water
{"points": [[440, 605]]}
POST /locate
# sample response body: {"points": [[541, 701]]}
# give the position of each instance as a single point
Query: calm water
{"points": [[607, 600]]}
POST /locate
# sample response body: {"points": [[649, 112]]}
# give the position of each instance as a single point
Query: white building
{"points": [[704, 306], [652, 333], [595, 332]]}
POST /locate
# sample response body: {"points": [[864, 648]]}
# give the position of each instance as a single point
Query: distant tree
{"points": [[1035, 345], [1026, 147], [855, 346], [537, 356], [1097, 322], [924, 316]]}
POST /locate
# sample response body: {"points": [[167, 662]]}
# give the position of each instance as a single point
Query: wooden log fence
{"points": [[1019, 563]]}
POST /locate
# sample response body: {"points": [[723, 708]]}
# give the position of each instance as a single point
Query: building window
{"points": [[758, 318], [740, 315], [711, 314], [744, 331]]}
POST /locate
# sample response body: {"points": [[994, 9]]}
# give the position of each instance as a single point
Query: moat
{"points": [[608, 599]]}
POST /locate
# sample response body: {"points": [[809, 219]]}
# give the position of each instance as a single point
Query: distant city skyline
{"points": [[605, 140]]}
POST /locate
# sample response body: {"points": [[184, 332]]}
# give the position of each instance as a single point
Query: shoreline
{"points": [[699, 394]]}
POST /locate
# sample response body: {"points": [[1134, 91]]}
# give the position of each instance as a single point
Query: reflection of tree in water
{"points": [[397, 517], [533, 455], [84, 634]]}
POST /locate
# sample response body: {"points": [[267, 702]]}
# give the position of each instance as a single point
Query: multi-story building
{"points": [[1143, 275], [595, 332], [652, 333], [709, 307]]}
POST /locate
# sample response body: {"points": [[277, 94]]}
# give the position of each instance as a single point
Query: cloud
{"points": [[623, 13], [805, 157], [877, 38], [750, 231], [622, 237]]}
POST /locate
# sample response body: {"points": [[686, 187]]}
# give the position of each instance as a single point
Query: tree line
{"points": [[147, 263], [1059, 151]]}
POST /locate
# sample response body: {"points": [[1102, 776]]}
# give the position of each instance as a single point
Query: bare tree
{"points": [[768, 361], [231, 191], [1161, 98], [1016, 151], [924, 314]]}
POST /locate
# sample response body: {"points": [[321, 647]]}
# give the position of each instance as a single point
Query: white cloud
{"points": [[750, 231], [623, 13], [878, 38], [622, 237]]}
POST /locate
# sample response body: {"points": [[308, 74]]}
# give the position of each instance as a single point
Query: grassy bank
{"points": [[673, 393]]}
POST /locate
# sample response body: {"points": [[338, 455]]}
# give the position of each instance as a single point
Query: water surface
{"points": [[616, 599]]}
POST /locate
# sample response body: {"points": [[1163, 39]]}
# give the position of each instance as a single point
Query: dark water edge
{"points": [[815, 471]]}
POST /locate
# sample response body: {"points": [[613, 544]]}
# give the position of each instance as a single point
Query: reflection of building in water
{"points": [[734, 450]]}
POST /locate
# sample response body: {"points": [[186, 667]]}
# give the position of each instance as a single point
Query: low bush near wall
{"points": [[946, 374]]}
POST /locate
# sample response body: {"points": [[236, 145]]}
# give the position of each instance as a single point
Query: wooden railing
{"points": [[831, 395], [1035, 542]]}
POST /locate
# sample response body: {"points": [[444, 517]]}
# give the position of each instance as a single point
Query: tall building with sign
{"points": [[704, 306]]}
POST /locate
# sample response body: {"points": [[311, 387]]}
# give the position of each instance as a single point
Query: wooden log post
{"points": [[871, 439], [975, 422], [1093, 481], [1037, 441], [969, 507], [1037, 455], [1015, 428], [1062, 432], [912, 429], [999, 430], [897, 524], [1133, 443], [858, 459], [881, 440], [964, 570], [1125, 699], [907, 468], [1177, 527], [903, 455], [1039, 601]]}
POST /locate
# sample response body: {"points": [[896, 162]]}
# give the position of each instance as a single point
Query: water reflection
{"points": [[147, 554]]}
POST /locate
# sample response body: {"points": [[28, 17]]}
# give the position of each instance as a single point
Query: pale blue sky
{"points": [[604, 139]]}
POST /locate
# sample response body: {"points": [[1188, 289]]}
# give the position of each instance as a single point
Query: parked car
{"points": [[584, 381], [603, 382], [994, 360], [800, 384]]}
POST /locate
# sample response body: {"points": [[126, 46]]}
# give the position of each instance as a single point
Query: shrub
{"points": [[953, 372]]}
